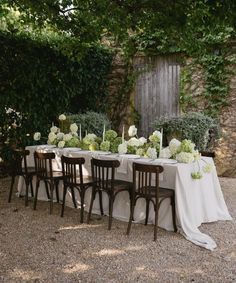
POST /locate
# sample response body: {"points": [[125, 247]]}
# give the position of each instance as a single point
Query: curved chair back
{"points": [[19, 162], [72, 168], [103, 173], [43, 164], [146, 178]]}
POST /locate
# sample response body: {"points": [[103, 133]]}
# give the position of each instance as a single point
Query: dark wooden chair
{"points": [[74, 179], [103, 175], [146, 185], [19, 167], [208, 154], [45, 173]]}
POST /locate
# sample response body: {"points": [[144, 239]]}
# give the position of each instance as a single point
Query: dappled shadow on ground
{"points": [[38, 247]]}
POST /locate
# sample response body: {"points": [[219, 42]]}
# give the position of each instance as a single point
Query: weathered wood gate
{"points": [[157, 89]]}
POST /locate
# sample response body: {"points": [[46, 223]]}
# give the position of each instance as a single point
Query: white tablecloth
{"points": [[197, 201]]}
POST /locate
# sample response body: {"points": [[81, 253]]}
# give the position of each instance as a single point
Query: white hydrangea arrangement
{"points": [[185, 152], [60, 139], [141, 146], [182, 151]]}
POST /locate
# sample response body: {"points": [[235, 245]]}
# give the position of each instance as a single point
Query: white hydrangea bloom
{"points": [[134, 142], [142, 141], [151, 153], [185, 157], [208, 168], [60, 136], [62, 117], [90, 138], [140, 151], [67, 137], [54, 129], [132, 131], [73, 128], [174, 146], [37, 136], [122, 148], [51, 137], [157, 133], [196, 155], [165, 153], [61, 144]]}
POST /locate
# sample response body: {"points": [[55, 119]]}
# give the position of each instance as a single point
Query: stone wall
{"points": [[122, 111], [120, 100], [225, 148]]}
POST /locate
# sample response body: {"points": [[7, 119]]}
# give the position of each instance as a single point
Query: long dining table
{"points": [[197, 201]]}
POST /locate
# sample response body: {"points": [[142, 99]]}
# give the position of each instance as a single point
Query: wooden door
{"points": [[157, 89]]}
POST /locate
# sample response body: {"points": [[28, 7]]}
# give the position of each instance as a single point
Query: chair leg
{"points": [[51, 196], [11, 188], [147, 211], [36, 193], [63, 201], [131, 217], [100, 202], [31, 187], [173, 213], [57, 191], [82, 205], [46, 188], [111, 200], [156, 207], [91, 204], [27, 182], [73, 197]]}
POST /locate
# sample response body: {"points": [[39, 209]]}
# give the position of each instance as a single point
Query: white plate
{"points": [[72, 148], [45, 146], [130, 156], [145, 160], [165, 160], [101, 152]]}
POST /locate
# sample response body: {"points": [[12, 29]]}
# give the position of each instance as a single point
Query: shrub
{"points": [[199, 128], [91, 122]]}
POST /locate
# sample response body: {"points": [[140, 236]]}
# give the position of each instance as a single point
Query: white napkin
{"points": [[123, 168]]}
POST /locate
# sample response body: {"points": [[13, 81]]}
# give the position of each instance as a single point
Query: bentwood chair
{"points": [[44, 171], [146, 185], [72, 169], [19, 167], [103, 175]]}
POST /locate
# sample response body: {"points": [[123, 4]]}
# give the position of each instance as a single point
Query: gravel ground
{"points": [[38, 247]]}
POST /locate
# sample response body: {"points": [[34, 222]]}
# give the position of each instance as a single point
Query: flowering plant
{"points": [[185, 152], [59, 138]]}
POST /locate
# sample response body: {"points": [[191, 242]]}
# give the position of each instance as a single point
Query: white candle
{"points": [[104, 130], [52, 124], [80, 137], [86, 133], [161, 138], [123, 134]]}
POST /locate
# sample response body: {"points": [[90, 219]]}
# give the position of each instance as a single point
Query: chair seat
{"points": [[120, 185], [163, 192], [30, 171], [55, 175], [87, 180]]}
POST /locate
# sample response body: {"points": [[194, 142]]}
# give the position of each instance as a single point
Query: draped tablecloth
{"points": [[197, 201]]}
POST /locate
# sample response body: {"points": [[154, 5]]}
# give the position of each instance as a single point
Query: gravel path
{"points": [[38, 247]]}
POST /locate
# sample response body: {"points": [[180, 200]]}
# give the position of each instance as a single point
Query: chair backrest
{"points": [[19, 161], [208, 154], [103, 173], [43, 164], [145, 178], [72, 169]]}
